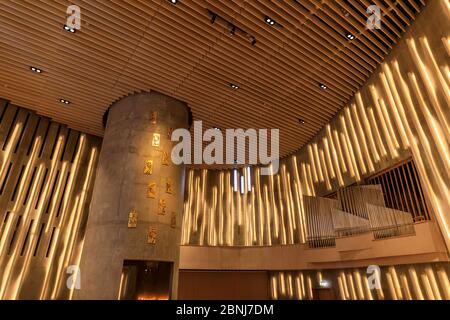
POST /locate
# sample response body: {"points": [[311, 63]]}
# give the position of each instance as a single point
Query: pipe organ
{"points": [[387, 222], [320, 231], [362, 211]]}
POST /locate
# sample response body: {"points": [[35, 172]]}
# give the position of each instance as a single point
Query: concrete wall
{"points": [[122, 186]]}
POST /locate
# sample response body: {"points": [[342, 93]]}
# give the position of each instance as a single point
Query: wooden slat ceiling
{"points": [[140, 45]]}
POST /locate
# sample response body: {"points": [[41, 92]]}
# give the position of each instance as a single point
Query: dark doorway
{"points": [[323, 294], [145, 280], [223, 285]]}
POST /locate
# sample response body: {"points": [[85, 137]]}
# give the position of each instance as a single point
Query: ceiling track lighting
{"points": [[234, 30], [64, 101], [301, 121], [213, 18]]}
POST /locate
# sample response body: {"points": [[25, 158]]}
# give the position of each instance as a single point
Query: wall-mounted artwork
{"points": [[156, 141], [148, 169], [152, 234], [162, 207], [153, 117], [132, 219], [173, 220], [151, 190], [169, 186], [165, 158]]}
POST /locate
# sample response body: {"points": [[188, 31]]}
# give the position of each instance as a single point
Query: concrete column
{"points": [[126, 183]]}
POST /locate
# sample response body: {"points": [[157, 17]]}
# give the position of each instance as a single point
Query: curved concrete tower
{"points": [[137, 201]]}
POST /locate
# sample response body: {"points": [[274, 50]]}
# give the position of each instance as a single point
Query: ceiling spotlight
{"points": [[301, 121], [269, 21], [233, 30], [36, 70], [69, 29], [253, 41], [173, 1], [213, 18], [64, 101], [323, 87], [217, 128], [234, 87], [349, 36]]}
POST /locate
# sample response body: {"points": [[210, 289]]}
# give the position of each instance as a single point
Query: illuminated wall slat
{"points": [[46, 176], [401, 282]]}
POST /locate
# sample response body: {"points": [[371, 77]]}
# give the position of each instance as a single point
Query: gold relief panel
{"points": [[173, 220], [169, 186], [152, 234], [153, 117], [165, 158], [156, 141], [132, 219], [151, 190], [162, 207], [148, 169]]}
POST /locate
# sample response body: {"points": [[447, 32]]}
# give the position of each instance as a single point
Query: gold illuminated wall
{"points": [[402, 111], [407, 282], [46, 177]]}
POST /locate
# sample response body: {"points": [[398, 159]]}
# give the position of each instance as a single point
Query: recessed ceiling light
{"points": [[173, 1], [269, 20], [322, 86], [234, 86], [64, 101], [301, 121], [69, 29], [36, 70], [217, 128], [350, 36]]}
